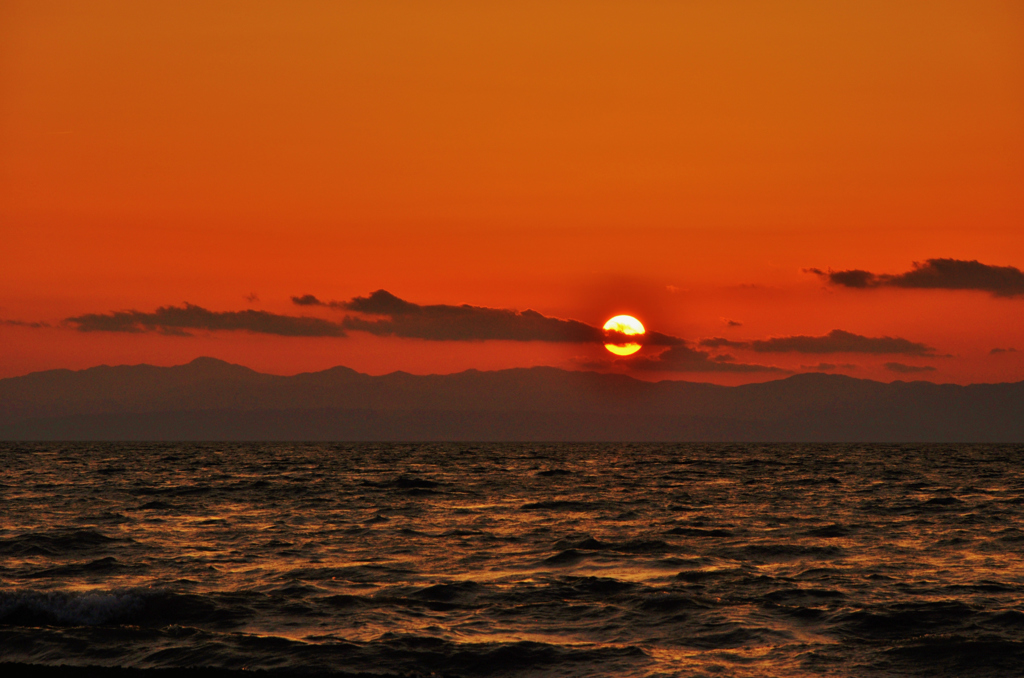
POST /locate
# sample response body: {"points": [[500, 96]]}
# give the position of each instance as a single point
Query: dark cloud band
{"points": [[23, 323], [937, 274], [401, 318], [380, 313], [383, 314], [900, 368], [391, 316], [836, 341], [178, 320], [685, 359]]}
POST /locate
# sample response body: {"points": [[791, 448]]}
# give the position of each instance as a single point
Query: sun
{"points": [[624, 324]]}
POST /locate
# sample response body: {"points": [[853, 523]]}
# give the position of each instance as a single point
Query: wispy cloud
{"points": [[177, 320], [836, 341], [828, 367], [23, 323], [900, 368], [685, 359], [942, 274]]}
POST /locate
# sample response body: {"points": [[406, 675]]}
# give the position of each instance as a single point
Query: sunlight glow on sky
{"points": [[686, 163]]}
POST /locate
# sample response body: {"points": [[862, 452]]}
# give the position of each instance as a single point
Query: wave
{"points": [[565, 505], [65, 608], [515, 560], [55, 542], [94, 567], [134, 606]]}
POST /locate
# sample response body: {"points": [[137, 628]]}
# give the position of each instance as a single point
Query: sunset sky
{"points": [[771, 188]]}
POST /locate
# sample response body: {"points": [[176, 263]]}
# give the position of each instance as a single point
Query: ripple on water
{"points": [[516, 560]]}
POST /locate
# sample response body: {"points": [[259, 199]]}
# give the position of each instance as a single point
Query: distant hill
{"points": [[209, 399]]}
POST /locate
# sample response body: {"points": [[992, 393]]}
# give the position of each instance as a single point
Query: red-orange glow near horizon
{"points": [[686, 161]]}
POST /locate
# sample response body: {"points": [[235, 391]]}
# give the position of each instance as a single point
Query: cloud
{"points": [[685, 359], [850, 278], [836, 341], [732, 323], [828, 367], [392, 316], [942, 274], [997, 351], [23, 323], [307, 300], [380, 313], [461, 323], [175, 320], [908, 369], [383, 302]]}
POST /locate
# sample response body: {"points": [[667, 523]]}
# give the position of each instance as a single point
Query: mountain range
{"points": [[208, 399]]}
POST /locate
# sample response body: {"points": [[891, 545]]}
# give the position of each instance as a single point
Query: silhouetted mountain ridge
{"points": [[212, 399]]}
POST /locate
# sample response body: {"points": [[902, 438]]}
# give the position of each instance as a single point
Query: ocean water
{"points": [[515, 559]]}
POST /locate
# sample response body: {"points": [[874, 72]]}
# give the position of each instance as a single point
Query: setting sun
{"points": [[624, 324]]}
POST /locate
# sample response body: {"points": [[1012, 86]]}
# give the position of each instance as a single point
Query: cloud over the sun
{"points": [[836, 341], [384, 314], [392, 316], [941, 274], [380, 313], [178, 320]]}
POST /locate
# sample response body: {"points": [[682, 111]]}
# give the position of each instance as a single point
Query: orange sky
{"points": [[683, 162]]}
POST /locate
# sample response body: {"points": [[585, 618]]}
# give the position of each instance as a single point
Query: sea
{"points": [[463, 560]]}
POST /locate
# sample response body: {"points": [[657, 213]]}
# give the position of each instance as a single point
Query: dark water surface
{"points": [[515, 559]]}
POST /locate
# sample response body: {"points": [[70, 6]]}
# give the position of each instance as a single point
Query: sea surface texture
{"points": [[515, 559]]}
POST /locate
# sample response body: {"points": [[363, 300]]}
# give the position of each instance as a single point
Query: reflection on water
{"points": [[515, 559]]}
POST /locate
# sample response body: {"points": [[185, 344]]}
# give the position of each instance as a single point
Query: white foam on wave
{"points": [[68, 608]]}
